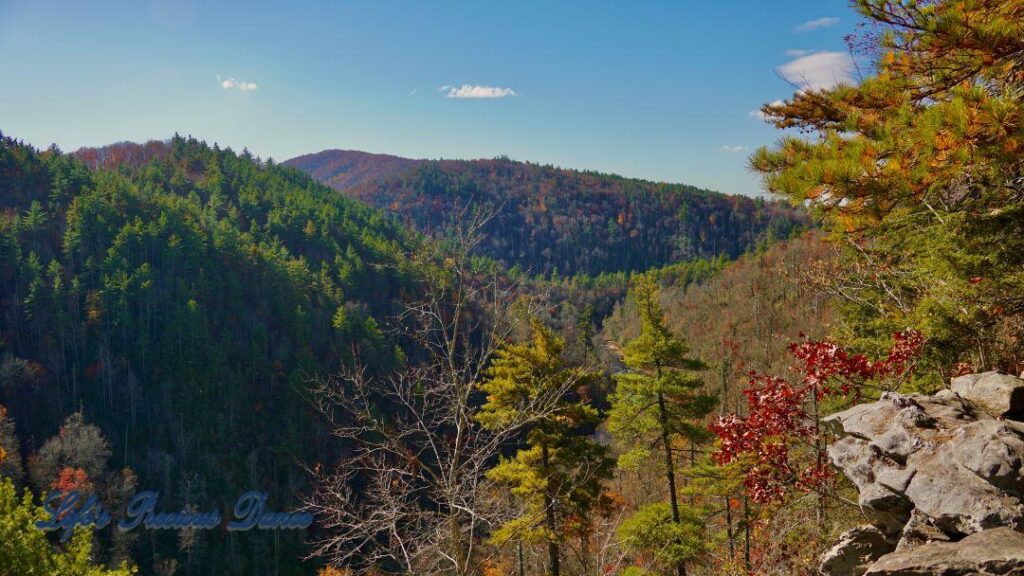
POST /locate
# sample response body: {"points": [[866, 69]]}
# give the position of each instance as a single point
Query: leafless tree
{"points": [[411, 496]]}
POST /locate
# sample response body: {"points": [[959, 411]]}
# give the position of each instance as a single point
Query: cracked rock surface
{"points": [[939, 475], [856, 550], [990, 552]]}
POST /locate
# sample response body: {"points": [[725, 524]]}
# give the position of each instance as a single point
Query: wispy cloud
{"points": [[761, 115], [476, 91], [819, 71], [232, 84], [733, 149], [819, 23], [797, 53], [414, 91]]}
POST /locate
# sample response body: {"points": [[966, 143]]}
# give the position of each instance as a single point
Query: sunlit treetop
{"points": [[939, 124], [918, 171]]}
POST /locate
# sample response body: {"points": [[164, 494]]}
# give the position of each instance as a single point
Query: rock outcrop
{"points": [[989, 552], [941, 481], [856, 550], [997, 393]]}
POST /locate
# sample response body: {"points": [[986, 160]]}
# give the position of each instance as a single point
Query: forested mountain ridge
{"points": [[181, 318], [343, 169], [547, 219], [181, 298]]}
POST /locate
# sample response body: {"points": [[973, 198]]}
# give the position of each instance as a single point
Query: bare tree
{"points": [[411, 496]]}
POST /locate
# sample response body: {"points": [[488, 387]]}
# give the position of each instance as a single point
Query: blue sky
{"points": [[653, 89]]}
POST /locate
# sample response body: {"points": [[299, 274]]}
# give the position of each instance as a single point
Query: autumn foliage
{"points": [[332, 571], [780, 435], [830, 368], [916, 170], [549, 220], [72, 479]]}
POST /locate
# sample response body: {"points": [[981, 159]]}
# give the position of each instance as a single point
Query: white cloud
{"points": [[414, 91], [761, 115], [733, 149], [472, 91], [232, 84], [819, 71], [819, 23], [795, 53]]}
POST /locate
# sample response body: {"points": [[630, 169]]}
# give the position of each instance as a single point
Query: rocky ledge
{"points": [[941, 481]]}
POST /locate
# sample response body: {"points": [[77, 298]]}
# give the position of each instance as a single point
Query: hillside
{"points": [[182, 303], [745, 316], [343, 169], [740, 320], [546, 219]]}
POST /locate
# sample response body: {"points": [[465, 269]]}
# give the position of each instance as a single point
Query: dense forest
{"points": [[181, 303], [547, 220], [492, 368]]}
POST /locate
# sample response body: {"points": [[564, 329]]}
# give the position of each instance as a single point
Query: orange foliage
{"points": [[72, 479]]}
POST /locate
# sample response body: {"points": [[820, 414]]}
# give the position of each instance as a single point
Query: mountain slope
{"points": [[744, 316], [546, 219], [182, 297], [343, 169]]}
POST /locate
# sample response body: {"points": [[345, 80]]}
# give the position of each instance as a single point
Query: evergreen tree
{"points": [[659, 401], [26, 551], [916, 170], [559, 472]]}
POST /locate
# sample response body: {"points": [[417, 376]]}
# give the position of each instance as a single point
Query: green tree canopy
{"points": [[26, 551], [659, 401], [917, 171], [558, 473]]}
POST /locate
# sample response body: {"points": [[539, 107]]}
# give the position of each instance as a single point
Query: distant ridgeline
{"points": [[549, 219], [182, 297]]}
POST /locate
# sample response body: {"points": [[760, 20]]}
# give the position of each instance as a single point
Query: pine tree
{"points": [[659, 401], [25, 550], [559, 471], [916, 170]]}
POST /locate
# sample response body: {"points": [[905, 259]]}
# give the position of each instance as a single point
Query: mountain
{"points": [[548, 220], [181, 299], [343, 169]]}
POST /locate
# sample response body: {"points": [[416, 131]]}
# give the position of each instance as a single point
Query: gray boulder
{"points": [[919, 530], [856, 550], [880, 480], [999, 551], [939, 455], [941, 479], [996, 393], [994, 451]]}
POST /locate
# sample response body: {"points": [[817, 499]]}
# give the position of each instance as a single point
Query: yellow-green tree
{"points": [[26, 551], [659, 401], [917, 172], [559, 471]]}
